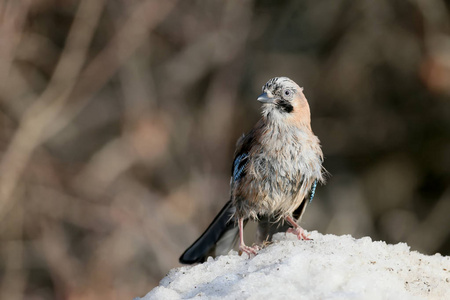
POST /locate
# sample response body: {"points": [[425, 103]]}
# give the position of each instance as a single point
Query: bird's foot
{"points": [[249, 250], [299, 232]]}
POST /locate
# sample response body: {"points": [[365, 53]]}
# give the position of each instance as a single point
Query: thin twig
{"points": [[44, 110]]}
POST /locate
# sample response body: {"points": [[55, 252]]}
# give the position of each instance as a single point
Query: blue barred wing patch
{"points": [[313, 191], [239, 166]]}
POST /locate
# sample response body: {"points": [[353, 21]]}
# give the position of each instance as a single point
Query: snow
{"points": [[326, 267]]}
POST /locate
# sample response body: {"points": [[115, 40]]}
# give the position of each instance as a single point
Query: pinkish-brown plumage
{"points": [[284, 160], [276, 167]]}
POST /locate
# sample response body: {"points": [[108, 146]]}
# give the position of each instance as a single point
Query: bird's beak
{"points": [[265, 98]]}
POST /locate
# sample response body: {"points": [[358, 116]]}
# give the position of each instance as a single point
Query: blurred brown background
{"points": [[119, 120]]}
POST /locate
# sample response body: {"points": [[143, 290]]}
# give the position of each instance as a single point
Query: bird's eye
{"points": [[287, 92]]}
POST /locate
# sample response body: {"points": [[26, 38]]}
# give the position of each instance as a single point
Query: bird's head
{"points": [[284, 99]]}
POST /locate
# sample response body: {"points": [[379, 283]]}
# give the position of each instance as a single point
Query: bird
{"points": [[276, 168]]}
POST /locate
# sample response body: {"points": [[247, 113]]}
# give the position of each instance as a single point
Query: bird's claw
{"points": [[249, 250], [299, 232]]}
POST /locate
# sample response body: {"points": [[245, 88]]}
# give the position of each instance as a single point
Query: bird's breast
{"points": [[283, 165]]}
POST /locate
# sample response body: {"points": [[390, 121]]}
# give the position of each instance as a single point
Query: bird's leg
{"points": [[297, 230], [242, 246]]}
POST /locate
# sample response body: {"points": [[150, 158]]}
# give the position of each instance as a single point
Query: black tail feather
{"points": [[223, 228]]}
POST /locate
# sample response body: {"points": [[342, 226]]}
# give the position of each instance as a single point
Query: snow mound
{"points": [[326, 267]]}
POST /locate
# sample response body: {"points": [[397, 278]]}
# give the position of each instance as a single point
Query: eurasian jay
{"points": [[275, 171]]}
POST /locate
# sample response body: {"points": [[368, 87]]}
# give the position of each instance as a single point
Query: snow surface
{"points": [[326, 267]]}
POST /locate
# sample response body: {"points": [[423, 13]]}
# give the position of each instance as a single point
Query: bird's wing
{"points": [[313, 191], [242, 155], [239, 164]]}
